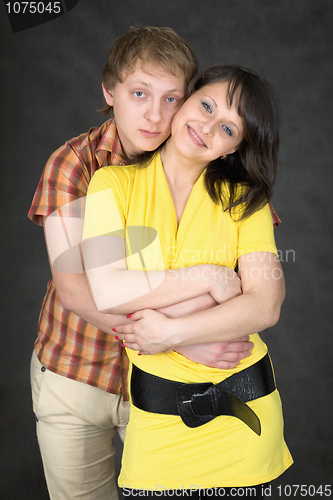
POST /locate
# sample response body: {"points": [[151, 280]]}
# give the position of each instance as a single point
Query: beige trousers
{"points": [[75, 426]]}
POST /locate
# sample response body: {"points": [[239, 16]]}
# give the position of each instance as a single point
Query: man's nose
{"points": [[154, 112]]}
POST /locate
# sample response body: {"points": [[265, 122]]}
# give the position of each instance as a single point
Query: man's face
{"points": [[144, 104]]}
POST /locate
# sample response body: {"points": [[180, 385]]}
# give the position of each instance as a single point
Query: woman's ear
{"points": [[233, 150], [229, 153], [108, 95]]}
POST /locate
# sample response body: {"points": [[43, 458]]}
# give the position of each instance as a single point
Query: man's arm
{"points": [[222, 355], [62, 235], [73, 291], [70, 281], [74, 295]]}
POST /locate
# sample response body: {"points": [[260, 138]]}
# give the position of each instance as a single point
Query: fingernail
{"points": [[123, 345], [129, 315], [139, 354], [113, 329], [116, 337]]}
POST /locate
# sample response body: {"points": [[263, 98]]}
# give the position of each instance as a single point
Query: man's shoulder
{"points": [[90, 150], [93, 137]]}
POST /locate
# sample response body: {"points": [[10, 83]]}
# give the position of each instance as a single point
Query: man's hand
{"points": [[225, 283], [222, 355]]}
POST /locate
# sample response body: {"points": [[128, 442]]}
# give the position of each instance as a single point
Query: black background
{"points": [[50, 91]]}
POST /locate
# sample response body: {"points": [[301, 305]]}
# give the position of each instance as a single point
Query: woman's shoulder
{"points": [[128, 171], [110, 176], [113, 171]]}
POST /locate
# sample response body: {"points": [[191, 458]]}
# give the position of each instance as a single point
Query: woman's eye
{"points": [[206, 106], [137, 93], [227, 130], [171, 99]]}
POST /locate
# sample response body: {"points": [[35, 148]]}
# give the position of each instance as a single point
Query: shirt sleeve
{"points": [[256, 233], [64, 179], [104, 212]]}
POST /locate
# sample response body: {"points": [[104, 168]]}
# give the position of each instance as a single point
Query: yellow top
{"points": [[160, 451]]}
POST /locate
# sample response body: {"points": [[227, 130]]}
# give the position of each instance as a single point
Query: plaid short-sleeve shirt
{"points": [[66, 344]]}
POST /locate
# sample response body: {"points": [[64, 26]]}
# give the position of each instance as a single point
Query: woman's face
{"points": [[206, 127]]}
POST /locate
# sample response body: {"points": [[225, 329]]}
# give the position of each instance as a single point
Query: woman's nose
{"points": [[207, 126]]}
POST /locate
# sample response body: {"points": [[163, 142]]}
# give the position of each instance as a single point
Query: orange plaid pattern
{"points": [[275, 217], [66, 344]]}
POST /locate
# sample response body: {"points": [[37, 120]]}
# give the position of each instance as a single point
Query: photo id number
{"points": [[303, 490], [33, 7]]}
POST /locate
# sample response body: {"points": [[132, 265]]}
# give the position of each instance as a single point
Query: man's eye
{"points": [[227, 130], [137, 93], [206, 106], [171, 99]]}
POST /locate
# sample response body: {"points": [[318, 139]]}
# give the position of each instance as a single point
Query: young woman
{"points": [[158, 235]]}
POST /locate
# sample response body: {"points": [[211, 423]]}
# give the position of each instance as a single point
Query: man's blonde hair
{"points": [[152, 45]]}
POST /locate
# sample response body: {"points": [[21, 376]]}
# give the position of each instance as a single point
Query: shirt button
{"points": [[43, 369]]}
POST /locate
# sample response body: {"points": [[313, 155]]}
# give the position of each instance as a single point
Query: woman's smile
{"points": [[195, 137]]}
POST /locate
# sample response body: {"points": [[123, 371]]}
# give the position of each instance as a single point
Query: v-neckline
{"points": [[186, 209]]}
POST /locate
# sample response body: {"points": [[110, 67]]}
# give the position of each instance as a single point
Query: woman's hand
{"points": [[149, 332]]}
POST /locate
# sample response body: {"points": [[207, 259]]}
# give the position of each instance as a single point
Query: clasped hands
{"points": [[153, 331]]}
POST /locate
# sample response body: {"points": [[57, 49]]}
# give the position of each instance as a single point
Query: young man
{"points": [[78, 369]]}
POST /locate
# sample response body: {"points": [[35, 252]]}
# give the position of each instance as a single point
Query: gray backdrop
{"points": [[50, 90]]}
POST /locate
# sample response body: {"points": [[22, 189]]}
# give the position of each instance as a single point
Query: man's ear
{"points": [[108, 95]]}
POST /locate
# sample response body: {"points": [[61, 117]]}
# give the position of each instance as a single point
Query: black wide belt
{"points": [[198, 404]]}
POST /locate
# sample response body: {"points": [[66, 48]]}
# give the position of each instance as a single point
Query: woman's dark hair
{"points": [[254, 163]]}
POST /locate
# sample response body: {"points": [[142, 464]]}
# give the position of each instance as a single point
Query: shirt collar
{"points": [[110, 143]]}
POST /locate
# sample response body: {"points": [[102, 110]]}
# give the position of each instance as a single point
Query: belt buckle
{"points": [[197, 406], [190, 397], [202, 404]]}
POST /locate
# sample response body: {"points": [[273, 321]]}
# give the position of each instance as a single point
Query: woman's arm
{"points": [[256, 309], [222, 355]]}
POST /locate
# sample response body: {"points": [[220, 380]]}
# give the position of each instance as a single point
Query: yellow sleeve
{"points": [[104, 212], [256, 233]]}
